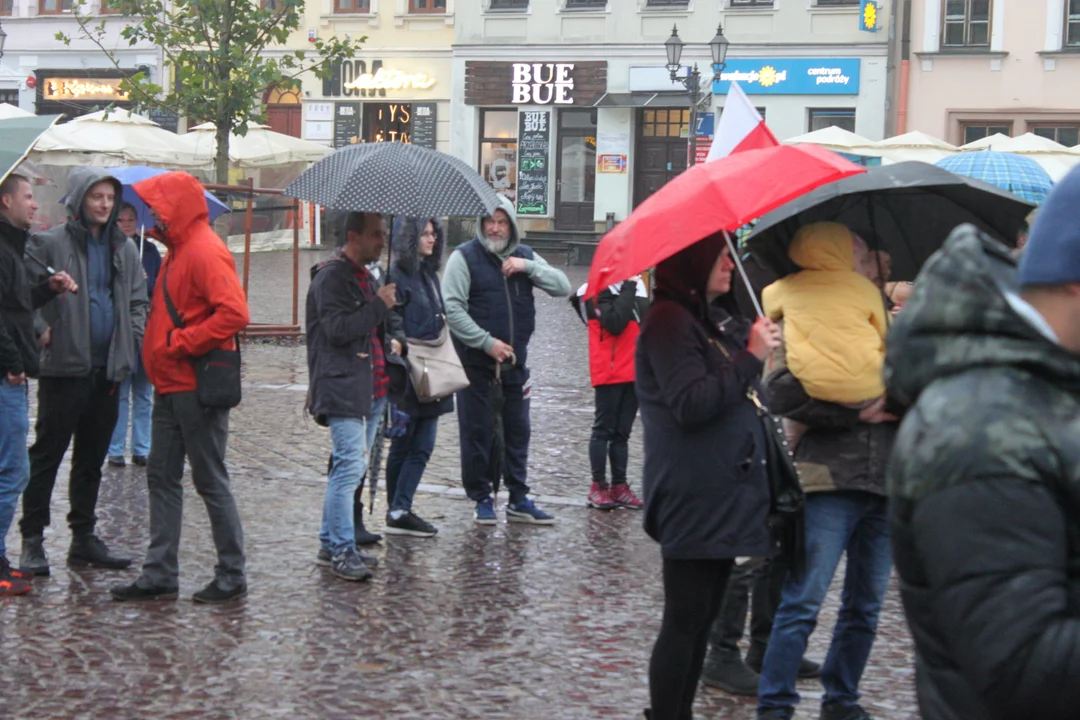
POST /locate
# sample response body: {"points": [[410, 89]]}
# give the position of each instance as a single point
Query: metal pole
{"points": [[247, 233], [296, 263], [695, 90]]}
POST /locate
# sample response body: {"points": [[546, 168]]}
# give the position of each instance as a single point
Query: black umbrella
{"points": [[907, 209]]}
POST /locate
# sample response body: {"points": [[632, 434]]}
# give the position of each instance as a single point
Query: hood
{"points": [[684, 277], [823, 246], [515, 233], [178, 199], [959, 319], [79, 182], [406, 244]]}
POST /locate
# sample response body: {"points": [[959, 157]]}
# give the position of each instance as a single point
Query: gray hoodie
{"points": [[64, 247]]}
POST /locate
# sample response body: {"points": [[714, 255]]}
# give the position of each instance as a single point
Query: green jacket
{"points": [[984, 489]]}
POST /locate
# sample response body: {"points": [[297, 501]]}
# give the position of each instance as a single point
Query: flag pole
{"points": [[742, 273]]}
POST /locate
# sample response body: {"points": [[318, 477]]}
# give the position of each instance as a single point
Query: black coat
{"points": [[705, 486], [18, 300], [340, 322]]}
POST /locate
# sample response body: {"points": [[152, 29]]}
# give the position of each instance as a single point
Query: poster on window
{"points": [[499, 161]]}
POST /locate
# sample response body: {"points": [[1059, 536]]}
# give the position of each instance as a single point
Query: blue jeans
{"points": [[136, 386], [352, 440], [851, 521], [14, 459], [409, 455]]}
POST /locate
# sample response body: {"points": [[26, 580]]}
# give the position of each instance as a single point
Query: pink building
{"points": [[972, 68]]}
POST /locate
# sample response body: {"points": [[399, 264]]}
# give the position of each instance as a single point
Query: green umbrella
{"points": [[19, 136]]}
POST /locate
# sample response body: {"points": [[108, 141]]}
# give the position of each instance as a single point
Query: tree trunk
{"points": [[221, 158]]}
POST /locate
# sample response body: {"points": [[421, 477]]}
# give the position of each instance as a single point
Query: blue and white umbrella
{"points": [[1018, 174]]}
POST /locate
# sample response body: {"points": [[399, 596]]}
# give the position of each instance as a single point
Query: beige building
{"points": [[972, 68]]}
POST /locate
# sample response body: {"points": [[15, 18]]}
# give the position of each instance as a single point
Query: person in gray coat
{"points": [[88, 343]]}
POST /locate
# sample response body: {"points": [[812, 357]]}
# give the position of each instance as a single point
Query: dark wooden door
{"points": [[285, 119], [575, 170], [661, 150]]}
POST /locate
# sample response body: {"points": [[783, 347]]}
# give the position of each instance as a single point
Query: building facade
{"points": [[566, 106], [978, 67]]}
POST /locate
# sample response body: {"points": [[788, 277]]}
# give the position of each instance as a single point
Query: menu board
{"points": [[423, 124], [346, 124], [534, 150], [167, 119]]}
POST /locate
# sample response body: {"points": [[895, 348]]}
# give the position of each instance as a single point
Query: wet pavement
{"points": [[503, 622]]}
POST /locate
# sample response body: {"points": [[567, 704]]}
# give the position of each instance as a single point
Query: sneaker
{"points": [[625, 497], [837, 711], [9, 573], [117, 461], [11, 587], [347, 565], [808, 669], [134, 591], [90, 551], [212, 594], [731, 676], [410, 524], [485, 513], [526, 512], [324, 559], [34, 560], [140, 460], [600, 498]]}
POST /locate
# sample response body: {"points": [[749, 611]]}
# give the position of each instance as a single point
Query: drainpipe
{"points": [[905, 71]]}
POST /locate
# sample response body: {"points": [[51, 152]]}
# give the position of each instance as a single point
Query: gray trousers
{"points": [[182, 427]]}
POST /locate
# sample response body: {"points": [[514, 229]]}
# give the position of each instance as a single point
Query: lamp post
{"points": [[674, 45], [3, 41]]}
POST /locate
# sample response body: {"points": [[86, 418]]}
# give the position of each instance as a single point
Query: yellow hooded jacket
{"points": [[834, 318]]}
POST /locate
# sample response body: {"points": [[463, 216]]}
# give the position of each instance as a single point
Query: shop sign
{"points": [[869, 15], [88, 89], [543, 83], [534, 83], [534, 148], [361, 78], [391, 79], [612, 153], [791, 76]]}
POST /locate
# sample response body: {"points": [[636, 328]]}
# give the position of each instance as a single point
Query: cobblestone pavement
{"points": [[504, 622]]}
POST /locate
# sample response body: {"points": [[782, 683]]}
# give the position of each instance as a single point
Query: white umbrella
{"points": [[916, 146], [112, 138], [1054, 157], [838, 140], [261, 147], [8, 110]]}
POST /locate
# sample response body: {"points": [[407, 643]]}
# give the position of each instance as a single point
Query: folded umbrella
{"points": [[907, 209], [724, 194]]}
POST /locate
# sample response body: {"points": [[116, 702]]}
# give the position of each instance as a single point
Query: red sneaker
{"points": [[625, 497], [600, 498], [9, 588], [7, 572]]}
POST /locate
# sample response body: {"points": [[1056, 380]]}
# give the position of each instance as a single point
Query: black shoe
{"points": [[34, 560], [776, 714], [410, 524], [730, 676], [808, 669], [139, 460], [136, 592], [836, 711], [212, 594], [325, 559], [89, 551], [117, 461]]}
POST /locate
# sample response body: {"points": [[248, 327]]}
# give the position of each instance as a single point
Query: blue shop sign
{"points": [[791, 76]]}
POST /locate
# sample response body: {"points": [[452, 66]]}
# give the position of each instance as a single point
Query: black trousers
{"points": [[84, 408], [616, 408], [693, 591], [757, 588], [480, 466]]}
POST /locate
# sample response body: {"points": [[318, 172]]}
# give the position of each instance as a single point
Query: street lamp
{"points": [[674, 45], [3, 40]]}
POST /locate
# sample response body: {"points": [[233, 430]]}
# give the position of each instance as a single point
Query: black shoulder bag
{"points": [[217, 373]]}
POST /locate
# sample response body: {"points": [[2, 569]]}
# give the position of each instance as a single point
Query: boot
{"points": [[34, 559], [363, 536], [730, 675], [808, 669], [89, 551]]}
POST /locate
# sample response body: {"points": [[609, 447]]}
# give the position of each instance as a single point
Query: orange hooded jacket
{"points": [[202, 281]]}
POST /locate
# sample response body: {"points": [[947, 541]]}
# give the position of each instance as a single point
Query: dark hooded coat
{"points": [[420, 313], [705, 486]]}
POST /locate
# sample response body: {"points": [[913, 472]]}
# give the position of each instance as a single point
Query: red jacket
{"points": [[614, 325], [202, 281]]}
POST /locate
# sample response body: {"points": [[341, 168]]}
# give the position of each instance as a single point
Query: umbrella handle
{"points": [[742, 273], [498, 367]]}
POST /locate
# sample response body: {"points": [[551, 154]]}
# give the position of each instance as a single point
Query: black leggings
{"points": [[693, 591]]}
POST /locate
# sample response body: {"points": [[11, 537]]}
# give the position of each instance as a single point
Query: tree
{"points": [[216, 48]]}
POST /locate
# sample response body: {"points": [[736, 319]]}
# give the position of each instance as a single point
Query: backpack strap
{"points": [[177, 320]]}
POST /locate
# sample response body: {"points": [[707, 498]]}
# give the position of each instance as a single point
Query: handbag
{"points": [[434, 367], [217, 373]]}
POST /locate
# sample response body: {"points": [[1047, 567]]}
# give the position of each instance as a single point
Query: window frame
{"points": [[41, 10], [485, 140], [667, 4], [1070, 19], [584, 5], [966, 23], [836, 3], [508, 5], [413, 10], [1035, 125], [989, 125], [7, 8], [811, 113], [365, 10], [751, 4]]}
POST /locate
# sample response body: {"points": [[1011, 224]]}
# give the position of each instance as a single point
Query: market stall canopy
{"points": [[1056, 159], [8, 111], [915, 146], [111, 138], [260, 147], [838, 140]]}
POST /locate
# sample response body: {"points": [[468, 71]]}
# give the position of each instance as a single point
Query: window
{"points": [[586, 4], [11, 97], [509, 5], [836, 3], [1067, 135], [498, 150], [53, 7], [667, 3], [751, 3], [665, 123], [1072, 23], [821, 119], [978, 131], [352, 6], [111, 7], [427, 6], [6, 6], [966, 23]]}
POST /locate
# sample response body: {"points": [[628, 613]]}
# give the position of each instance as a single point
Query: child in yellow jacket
{"points": [[834, 318]]}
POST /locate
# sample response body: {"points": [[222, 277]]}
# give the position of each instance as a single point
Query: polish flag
{"points": [[741, 127]]}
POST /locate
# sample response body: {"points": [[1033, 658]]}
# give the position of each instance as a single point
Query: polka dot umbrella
{"points": [[395, 179]]}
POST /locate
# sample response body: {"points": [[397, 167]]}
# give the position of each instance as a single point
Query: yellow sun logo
{"points": [[767, 76], [870, 16]]}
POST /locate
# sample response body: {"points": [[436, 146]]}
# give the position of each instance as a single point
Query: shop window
{"points": [[54, 7], [586, 4], [1072, 23], [821, 119], [978, 131], [387, 122], [1068, 135], [427, 6], [966, 23], [509, 5], [498, 150], [352, 6], [665, 123]]}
